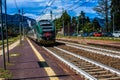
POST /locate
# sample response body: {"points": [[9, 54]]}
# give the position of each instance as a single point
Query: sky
{"points": [[40, 9]]}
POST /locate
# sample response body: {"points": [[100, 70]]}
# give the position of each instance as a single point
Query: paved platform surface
{"points": [[96, 42], [26, 64]]}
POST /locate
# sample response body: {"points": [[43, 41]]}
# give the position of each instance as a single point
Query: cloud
{"points": [[33, 16], [35, 8]]}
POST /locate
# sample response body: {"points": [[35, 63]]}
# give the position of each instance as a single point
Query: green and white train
{"points": [[43, 32]]}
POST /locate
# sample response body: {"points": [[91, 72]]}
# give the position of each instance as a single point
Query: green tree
{"points": [[115, 11], [102, 9], [87, 20], [84, 22], [81, 19], [88, 28], [58, 23], [13, 30], [74, 23], [67, 20], [96, 25], [66, 17]]}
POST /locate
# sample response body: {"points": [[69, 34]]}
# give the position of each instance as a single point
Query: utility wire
{"points": [[78, 6], [45, 9], [74, 4], [16, 5], [51, 3]]}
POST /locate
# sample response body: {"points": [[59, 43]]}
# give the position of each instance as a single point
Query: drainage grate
{"points": [[43, 64]]}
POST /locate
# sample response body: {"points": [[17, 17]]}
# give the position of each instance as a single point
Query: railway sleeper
{"points": [[94, 67], [93, 70], [84, 63], [110, 75], [112, 78], [80, 62], [99, 72], [88, 68]]}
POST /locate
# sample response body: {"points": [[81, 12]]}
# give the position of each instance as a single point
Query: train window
{"points": [[45, 24]]}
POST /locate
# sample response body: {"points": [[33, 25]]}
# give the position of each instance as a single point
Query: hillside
{"points": [[16, 18]]}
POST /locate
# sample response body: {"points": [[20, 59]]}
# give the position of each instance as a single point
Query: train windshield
{"points": [[45, 23]]}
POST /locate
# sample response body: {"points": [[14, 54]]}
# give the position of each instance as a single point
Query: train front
{"points": [[47, 32]]}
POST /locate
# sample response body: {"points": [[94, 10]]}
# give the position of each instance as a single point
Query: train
{"points": [[43, 32]]}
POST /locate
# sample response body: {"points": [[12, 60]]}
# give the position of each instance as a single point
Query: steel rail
{"points": [[88, 76], [113, 70], [92, 47], [94, 51]]}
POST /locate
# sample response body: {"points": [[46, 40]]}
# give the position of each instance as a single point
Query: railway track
{"points": [[86, 65], [99, 50], [107, 60]]}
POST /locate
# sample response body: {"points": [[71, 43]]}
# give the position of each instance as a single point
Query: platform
{"points": [[28, 61], [108, 43]]}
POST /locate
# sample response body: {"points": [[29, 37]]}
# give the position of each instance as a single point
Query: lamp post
{"points": [[20, 26], [82, 20], [82, 17], [7, 32], [51, 15], [63, 21], [68, 29], [55, 25], [114, 20], [2, 35], [77, 25], [23, 24]]}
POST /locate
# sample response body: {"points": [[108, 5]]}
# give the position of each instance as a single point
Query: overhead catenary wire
{"points": [[74, 4], [51, 4], [16, 5], [78, 6], [74, 7], [45, 9]]}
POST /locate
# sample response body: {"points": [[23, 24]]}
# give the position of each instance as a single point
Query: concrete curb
{"points": [[10, 47], [2, 79]]}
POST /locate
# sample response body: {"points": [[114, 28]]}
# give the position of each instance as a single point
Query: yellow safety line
{"points": [[49, 70]]}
